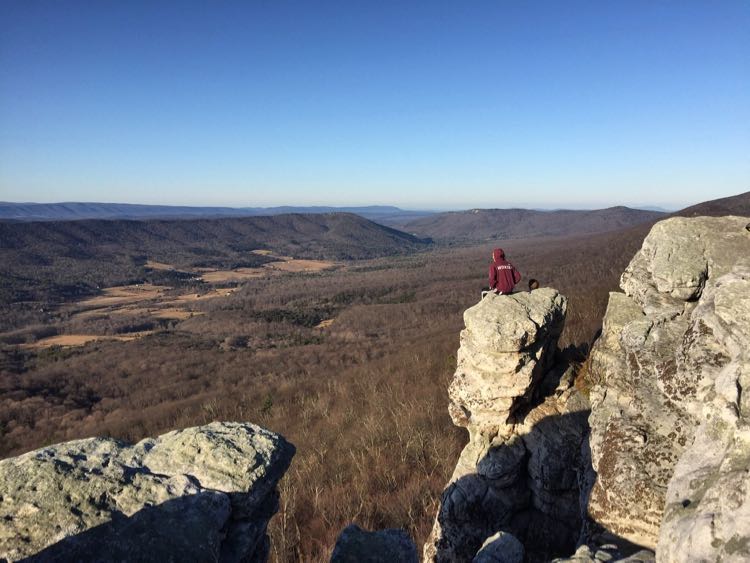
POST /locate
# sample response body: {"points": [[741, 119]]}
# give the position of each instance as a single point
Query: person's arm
{"points": [[516, 275], [493, 277]]}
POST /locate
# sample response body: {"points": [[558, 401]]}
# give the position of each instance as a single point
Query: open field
{"points": [[325, 323], [350, 364], [154, 265], [143, 302], [292, 265], [81, 339], [123, 295], [238, 275], [280, 264]]}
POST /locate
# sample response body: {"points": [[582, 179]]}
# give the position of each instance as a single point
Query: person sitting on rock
{"points": [[503, 274], [533, 284]]}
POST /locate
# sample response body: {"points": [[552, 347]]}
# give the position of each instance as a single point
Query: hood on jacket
{"points": [[498, 254]]}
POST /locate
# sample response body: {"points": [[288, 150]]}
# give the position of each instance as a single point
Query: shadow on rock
{"points": [[199, 527], [534, 486]]}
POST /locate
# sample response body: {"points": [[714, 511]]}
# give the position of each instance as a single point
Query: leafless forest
{"points": [[351, 364]]}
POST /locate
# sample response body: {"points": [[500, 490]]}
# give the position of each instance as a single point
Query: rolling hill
{"points": [[67, 258], [489, 224], [733, 205]]}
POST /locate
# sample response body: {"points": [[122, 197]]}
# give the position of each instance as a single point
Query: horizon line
{"points": [[439, 209]]}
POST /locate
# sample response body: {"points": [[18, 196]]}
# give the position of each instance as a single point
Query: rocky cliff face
{"points": [[520, 473], [200, 494], [669, 424], [665, 463]]}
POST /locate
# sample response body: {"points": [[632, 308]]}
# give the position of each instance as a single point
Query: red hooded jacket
{"points": [[503, 274]]}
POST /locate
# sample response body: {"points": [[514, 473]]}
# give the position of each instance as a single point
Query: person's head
{"points": [[498, 254], [533, 284]]}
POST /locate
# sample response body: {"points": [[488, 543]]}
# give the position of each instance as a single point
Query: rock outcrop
{"points": [[520, 473], [670, 438], [607, 552], [666, 465], [199, 494], [505, 350]]}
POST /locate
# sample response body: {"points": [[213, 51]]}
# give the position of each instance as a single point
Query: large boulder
{"points": [[707, 505], [518, 477], [500, 548], [355, 545], [199, 494], [669, 436]]}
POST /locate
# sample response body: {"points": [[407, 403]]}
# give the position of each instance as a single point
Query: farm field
{"points": [[145, 302]]}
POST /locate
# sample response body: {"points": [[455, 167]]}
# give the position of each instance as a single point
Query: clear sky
{"points": [[421, 104]]}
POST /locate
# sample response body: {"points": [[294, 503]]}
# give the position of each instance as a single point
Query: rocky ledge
{"points": [[670, 421], [199, 494]]}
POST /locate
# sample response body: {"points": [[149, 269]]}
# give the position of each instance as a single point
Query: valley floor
{"points": [[350, 363]]}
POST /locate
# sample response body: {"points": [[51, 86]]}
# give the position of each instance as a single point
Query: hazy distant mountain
{"points": [[733, 205], [79, 210], [486, 224], [653, 208]]}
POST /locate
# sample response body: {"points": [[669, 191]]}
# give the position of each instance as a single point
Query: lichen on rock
{"points": [[668, 432], [203, 493]]}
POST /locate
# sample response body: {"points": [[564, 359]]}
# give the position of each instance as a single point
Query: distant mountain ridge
{"points": [[74, 257], [488, 224], [68, 211], [474, 225], [734, 205]]}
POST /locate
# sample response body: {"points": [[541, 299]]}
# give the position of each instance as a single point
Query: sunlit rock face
{"points": [[199, 494], [669, 421], [506, 347], [519, 476]]}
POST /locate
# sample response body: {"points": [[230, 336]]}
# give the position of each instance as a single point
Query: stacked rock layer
{"points": [[519, 475]]}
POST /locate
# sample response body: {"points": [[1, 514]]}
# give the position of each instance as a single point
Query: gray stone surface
{"points": [[199, 494], [607, 552], [667, 423], [707, 507], [500, 548], [506, 347], [519, 473], [355, 545], [670, 436]]}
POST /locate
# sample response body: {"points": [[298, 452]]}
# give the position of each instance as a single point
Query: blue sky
{"points": [[419, 104]]}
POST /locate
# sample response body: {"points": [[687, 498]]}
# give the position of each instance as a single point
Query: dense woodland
{"points": [[350, 364]]}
